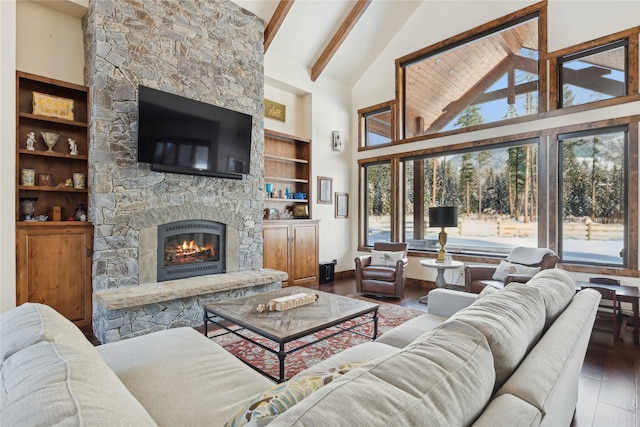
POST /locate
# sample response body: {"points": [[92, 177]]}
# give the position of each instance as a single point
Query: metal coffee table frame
{"points": [[212, 314]]}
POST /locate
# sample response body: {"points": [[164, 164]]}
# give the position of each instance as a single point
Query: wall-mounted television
{"points": [[181, 135]]}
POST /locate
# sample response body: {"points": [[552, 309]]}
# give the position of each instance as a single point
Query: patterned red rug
{"points": [[389, 316]]}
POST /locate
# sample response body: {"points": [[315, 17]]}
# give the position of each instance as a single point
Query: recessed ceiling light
{"points": [[452, 72]]}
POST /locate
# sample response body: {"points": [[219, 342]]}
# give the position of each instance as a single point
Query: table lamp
{"points": [[444, 216]]}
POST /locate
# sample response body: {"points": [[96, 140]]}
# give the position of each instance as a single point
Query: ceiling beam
{"points": [[338, 38], [276, 21]]}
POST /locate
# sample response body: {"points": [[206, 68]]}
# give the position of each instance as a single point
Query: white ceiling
{"points": [[310, 25]]}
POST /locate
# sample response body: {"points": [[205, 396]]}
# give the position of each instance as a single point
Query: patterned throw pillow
{"points": [[508, 268], [277, 399], [385, 258]]}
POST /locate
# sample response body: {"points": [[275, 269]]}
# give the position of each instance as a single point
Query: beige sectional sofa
{"points": [[512, 357]]}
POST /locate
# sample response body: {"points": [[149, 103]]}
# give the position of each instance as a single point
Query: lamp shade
{"points": [[444, 216]]}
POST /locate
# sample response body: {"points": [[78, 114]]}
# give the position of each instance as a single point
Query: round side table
{"points": [[441, 267]]}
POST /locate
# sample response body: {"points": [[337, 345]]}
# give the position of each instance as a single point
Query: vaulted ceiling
{"points": [[335, 38]]}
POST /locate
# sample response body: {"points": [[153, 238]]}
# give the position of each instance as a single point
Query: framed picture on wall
{"points": [[275, 110], [325, 189], [342, 205]]}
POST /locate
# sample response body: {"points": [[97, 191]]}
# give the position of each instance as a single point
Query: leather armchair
{"points": [[382, 280], [477, 277]]}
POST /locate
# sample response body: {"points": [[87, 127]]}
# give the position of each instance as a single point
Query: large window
{"points": [[377, 202], [593, 74], [486, 78], [593, 196], [494, 188]]}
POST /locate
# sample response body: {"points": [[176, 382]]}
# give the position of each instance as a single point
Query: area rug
{"points": [[389, 316]]}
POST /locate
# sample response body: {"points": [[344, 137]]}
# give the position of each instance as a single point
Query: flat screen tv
{"points": [[181, 135]]}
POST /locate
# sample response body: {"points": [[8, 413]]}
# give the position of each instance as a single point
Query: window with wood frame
{"points": [[593, 74], [593, 223], [495, 189], [487, 77], [376, 125], [377, 183]]}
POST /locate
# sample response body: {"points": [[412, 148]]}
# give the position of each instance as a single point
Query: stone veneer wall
{"points": [[210, 51]]}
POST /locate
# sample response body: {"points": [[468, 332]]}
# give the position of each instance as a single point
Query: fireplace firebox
{"points": [[190, 248]]}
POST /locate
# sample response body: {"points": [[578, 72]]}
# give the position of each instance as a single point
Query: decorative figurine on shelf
{"points": [[50, 139], [81, 212], [31, 141], [73, 147]]}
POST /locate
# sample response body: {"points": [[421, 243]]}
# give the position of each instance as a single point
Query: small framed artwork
{"points": [[342, 205], [275, 110], [325, 189]]}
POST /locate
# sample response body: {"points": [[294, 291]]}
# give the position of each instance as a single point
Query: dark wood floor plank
{"points": [[588, 391], [612, 416]]}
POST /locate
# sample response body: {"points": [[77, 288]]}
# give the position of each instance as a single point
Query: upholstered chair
{"points": [[520, 266], [384, 271]]}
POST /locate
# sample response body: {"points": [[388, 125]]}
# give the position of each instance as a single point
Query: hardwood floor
{"points": [[609, 389]]}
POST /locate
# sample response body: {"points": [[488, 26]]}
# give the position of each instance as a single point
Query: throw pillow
{"points": [[506, 267], [277, 399], [386, 258]]}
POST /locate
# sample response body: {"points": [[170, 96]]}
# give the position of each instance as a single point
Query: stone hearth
{"points": [[138, 310]]}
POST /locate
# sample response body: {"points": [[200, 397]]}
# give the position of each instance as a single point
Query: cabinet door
{"points": [[304, 255], [54, 268], [276, 248]]}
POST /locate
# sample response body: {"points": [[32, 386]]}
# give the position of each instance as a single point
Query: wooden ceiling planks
{"points": [[434, 84]]}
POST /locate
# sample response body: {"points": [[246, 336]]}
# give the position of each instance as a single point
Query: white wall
{"points": [[49, 43], [7, 153], [569, 23], [326, 106]]}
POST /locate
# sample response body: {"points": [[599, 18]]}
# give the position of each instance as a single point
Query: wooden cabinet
{"points": [[53, 254], [287, 165], [54, 268], [292, 246]]}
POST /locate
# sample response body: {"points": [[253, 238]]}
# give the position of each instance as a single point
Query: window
{"points": [[593, 74], [593, 196], [377, 202], [486, 78], [495, 190], [378, 125]]}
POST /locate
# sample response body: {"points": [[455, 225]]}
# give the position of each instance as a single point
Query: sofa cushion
{"points": [[31, 323], [436, 379], [385, 258], [557, 288], [508, 410], [281, 397], [548, 378], [506, 268], [209, 376], [512, 321], [405, 333], [63, 375]]}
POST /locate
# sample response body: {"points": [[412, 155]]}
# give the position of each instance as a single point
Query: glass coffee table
{"points": [[283, 327]]}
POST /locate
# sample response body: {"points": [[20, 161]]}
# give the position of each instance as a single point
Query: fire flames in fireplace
{"points": [[188, 253], [190, 248]]}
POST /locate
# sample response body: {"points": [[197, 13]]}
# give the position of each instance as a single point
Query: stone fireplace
{"points": [[206, 51]]}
